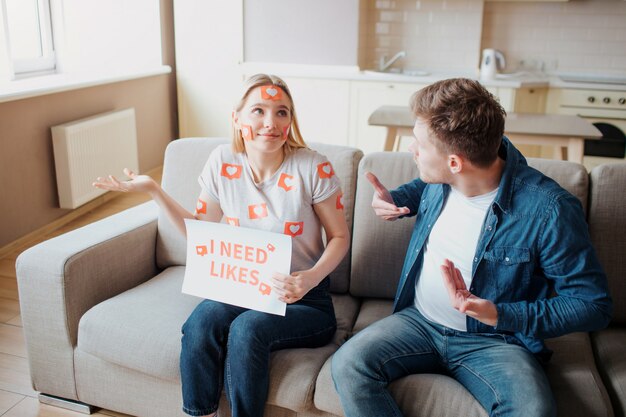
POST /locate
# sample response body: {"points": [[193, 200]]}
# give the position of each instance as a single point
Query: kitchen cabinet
{"points": [[367, 96], [322, 107]]}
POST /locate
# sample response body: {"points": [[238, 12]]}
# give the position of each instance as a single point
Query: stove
{"points": [[607, 111]]}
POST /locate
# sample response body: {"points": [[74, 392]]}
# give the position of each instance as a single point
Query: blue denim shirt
{"points": [[534, 259]]}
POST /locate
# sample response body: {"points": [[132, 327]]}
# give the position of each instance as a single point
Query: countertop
{"points": [[523, 79]]}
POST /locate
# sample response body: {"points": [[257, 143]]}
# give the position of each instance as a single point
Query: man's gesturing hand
{"points": [[463, 300], [382, 203]]}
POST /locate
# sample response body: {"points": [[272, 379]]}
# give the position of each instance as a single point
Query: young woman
{"points": [[266, 179]]}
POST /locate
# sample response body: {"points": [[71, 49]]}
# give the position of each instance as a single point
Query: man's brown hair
{"points": [[465, 117]]}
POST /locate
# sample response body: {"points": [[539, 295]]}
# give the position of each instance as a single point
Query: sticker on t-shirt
{"points": [[233, 221], [325, 170], [271, 92], [201, 207], [286, 182], [257, 211], [294, 228], [231, 171]]}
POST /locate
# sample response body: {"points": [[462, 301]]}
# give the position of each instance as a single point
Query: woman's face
{"points": [[265, 119]]}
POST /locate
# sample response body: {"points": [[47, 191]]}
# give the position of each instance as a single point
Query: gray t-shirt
{"points": [[281, 204]]}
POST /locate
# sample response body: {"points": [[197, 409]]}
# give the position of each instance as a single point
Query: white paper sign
{"points": [[234, 265]]}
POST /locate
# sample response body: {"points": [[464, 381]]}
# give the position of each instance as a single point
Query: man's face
{"points": [[431, 162]]}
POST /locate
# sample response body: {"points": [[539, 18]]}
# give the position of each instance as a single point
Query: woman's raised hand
{"points": [[137, 183]]}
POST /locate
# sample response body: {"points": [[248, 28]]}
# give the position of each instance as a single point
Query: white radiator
{"points": [[93, 147]]}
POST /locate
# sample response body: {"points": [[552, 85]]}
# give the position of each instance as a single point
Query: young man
{"points": [[493, 240]]}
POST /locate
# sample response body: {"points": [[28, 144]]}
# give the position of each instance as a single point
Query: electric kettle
{"points": [[492, 62]]}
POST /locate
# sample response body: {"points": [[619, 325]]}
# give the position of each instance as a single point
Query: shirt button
{"points": [[475, 259], [429, 226], [489, 228], [507, 259]]}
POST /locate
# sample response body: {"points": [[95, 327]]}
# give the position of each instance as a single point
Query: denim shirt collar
{"points": [[513, 159]]}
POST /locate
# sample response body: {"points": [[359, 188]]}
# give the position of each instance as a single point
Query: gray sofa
{"points": [[102, 307]]}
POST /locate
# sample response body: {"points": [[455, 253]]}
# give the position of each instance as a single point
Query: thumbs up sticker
{"points": [[325, 170]]}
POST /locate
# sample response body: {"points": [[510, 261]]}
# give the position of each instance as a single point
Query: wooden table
{"points": [[566, 134]]}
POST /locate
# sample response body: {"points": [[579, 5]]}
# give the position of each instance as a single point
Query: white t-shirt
{"points": [[454, 236], [281, 204]]}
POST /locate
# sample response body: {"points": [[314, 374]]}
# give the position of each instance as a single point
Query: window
{"points": [[28, 30]]}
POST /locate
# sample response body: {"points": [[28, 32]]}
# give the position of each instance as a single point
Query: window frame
{"points": [[46, 63]]}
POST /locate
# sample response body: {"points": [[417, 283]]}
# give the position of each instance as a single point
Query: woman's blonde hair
{"points": [[294, 137]]}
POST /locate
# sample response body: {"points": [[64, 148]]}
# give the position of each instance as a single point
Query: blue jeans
{"points": [[229, 345], [505, 378]]}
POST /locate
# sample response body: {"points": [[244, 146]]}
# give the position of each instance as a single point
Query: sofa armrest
{"points": [[61, 278]]}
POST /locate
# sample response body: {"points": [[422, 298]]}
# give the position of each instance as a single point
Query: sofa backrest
{"points": [[607, 225], [184, 160], [379, 247]]}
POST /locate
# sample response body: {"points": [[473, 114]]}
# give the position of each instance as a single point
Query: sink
{"points": [[392, 74]]}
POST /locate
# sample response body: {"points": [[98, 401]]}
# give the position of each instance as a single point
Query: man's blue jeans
{"points": [[225, 344], [502, 375]]}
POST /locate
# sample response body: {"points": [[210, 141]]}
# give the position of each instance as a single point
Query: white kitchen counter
{"points": [[524, 80]]}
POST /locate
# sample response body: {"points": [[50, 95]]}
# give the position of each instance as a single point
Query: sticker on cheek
{"points": [[271, 92], [246, 132]]}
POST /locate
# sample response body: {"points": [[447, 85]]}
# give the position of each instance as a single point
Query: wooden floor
{"points": [[17, 397]]}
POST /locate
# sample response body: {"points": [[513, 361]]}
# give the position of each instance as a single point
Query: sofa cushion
{"points": [[379, 246], [607, 226], [140, 329], [611, 359], [184, 160], [574, 378], [569, 175]]}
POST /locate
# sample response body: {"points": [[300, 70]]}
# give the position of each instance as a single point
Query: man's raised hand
{"points": [[382, 203]]}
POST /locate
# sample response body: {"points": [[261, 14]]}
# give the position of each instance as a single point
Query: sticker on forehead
{"points": [[271, 92], [246, 132]]}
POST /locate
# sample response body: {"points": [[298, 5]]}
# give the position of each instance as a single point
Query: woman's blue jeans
{"points": [[505, 378], [228, 346]]}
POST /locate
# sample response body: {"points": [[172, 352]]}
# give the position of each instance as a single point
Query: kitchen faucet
{"points": [[382, 66]]}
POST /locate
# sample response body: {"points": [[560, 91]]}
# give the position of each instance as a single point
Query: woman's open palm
{"points": [[136, 183]]}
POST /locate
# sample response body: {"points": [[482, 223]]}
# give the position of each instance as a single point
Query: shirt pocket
{"points": [[510, 270]]}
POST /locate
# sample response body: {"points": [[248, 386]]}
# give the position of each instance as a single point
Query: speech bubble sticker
{"points": [[340, 201], [286, 182], [265, 289], [257, 211], [231, 171], [246, 132], [325, 170], [201, 250], [271, 92]]}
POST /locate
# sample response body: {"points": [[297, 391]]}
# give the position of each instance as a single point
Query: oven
{"points": [[607, 111]]}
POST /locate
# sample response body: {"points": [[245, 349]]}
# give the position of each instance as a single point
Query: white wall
{"points": [[583, 36], [209, 48], [111, 35], [320, 32]]}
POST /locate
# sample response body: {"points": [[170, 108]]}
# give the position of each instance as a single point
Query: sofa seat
{"points": [[611, 359], [149, 341]]}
